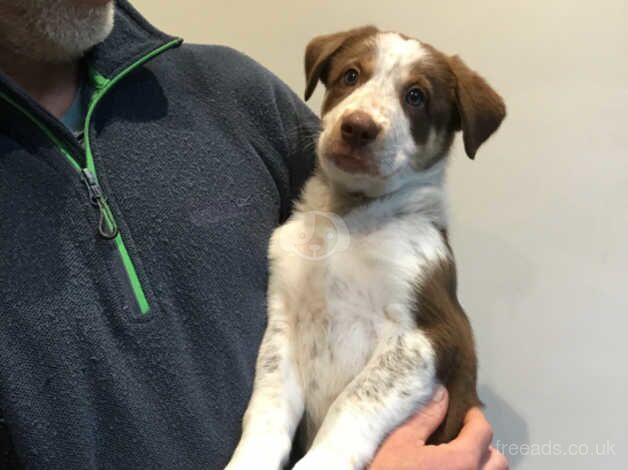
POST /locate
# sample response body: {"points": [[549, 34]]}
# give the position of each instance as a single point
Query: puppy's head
{"points": [[391, 107]]}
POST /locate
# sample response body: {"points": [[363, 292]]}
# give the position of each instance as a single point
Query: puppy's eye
{"points": [[415, 97], [351, 77]]}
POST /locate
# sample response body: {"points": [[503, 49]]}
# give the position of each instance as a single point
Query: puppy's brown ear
{"points": [[480, 108], [320, 50]]}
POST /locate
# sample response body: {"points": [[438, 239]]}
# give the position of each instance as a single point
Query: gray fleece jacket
{"points": [[133, 266]]}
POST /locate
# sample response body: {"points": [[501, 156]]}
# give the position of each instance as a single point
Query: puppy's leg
{"points": [[397, 380], [276, 405]]}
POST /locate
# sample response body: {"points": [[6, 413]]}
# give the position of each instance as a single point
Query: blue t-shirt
{"points": [[74, 117]]}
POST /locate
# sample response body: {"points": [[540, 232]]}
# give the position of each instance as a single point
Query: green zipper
{"points": [[107, 226]]}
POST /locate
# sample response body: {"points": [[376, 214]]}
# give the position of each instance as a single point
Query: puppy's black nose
{"points": [[358, 129]]}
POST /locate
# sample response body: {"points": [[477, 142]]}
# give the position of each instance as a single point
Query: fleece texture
{"points": [[200, 152]]}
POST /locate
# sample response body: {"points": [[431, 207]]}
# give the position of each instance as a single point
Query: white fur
{"points": [[346, 306], [342, 347]]}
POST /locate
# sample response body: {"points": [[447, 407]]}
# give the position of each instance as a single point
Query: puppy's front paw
{"points": [[254, 460], [323, 459], [263, 453]]}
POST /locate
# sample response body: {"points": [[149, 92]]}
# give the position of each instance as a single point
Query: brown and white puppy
{"points": [[363, 319]]}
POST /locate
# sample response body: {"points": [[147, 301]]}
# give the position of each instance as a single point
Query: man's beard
{"points": [[55, 31]]}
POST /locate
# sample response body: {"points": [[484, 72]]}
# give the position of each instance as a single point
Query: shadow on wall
{"points": [[499, 411]]}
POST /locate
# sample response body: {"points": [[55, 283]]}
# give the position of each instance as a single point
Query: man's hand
{"points": [[405, 449]]}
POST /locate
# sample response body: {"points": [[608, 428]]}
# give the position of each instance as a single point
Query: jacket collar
{"points": [[131, 39]]}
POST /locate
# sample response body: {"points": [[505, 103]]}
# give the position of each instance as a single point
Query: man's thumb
{"points": [[427, 420]]}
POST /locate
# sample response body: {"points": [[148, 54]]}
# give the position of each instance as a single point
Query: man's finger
{"points": [[495, 461], [476, 435], [426, 421]]}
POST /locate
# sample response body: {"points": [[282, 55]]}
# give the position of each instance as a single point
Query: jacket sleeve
{"points": [[301, 133], [290, 128], [277, 122]]}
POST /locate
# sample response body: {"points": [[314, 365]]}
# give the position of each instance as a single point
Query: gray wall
{"points": [[539, 220]]}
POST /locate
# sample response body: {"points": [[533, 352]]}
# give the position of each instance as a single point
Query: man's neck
{"points": [[53, 86]]}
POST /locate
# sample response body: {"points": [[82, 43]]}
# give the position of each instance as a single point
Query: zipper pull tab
{"points": [[107, 227]]}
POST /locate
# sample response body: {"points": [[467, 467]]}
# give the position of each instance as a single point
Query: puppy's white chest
{"points": [[345, 294]]}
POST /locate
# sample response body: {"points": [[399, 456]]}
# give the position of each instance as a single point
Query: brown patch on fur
{"points": [[440, 316], [456, 98], [435, 78], [360, 55], [322, 49]]}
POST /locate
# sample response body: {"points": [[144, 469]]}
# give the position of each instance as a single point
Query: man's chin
{"points": [[59, 30]]}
